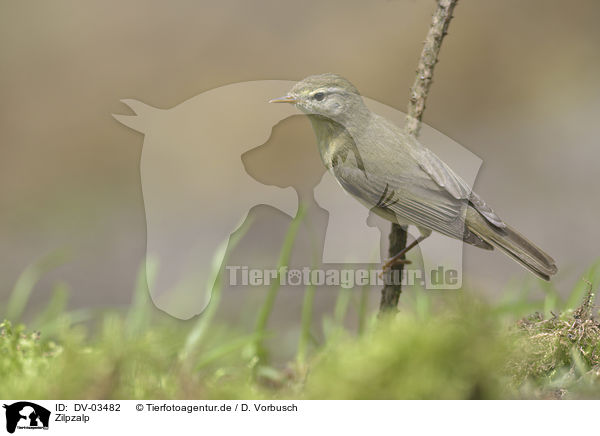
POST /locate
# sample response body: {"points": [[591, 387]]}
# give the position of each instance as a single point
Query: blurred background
{"points": [[516, 84]]}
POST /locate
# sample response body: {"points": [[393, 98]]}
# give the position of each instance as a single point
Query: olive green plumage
{"points": [[397, 177]]}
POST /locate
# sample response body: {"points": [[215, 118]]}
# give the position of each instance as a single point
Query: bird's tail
{"points": [[513, 244]]}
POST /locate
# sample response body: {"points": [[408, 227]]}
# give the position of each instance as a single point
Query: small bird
{"points": [[397, 177]]}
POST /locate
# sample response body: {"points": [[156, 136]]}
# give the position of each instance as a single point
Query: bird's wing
{"points": [[447, 179], [419, 202]]}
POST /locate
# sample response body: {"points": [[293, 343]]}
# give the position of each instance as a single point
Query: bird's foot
{"points": [[392, 262]]}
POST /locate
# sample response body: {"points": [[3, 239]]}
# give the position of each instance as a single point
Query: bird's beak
{"points": [[284, 99]]}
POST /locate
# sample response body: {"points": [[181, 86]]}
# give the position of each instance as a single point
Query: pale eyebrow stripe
{"points": [[329, 90]]}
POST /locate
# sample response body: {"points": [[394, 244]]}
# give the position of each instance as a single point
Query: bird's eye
{"points": [[319, 96]]}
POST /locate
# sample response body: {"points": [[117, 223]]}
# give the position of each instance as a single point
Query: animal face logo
{"points": [[26, 415], [197, 192]]}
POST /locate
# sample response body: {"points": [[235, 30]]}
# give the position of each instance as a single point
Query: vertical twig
{"points": [[390, 294], [429, 57]]}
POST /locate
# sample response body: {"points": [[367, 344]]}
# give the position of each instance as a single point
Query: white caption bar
{"points": [[294, 417]]}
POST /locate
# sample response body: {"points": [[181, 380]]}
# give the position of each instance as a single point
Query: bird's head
{"points": [[329, 95]]}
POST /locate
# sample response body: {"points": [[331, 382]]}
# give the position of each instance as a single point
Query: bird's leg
{"points": [[398, 257]]}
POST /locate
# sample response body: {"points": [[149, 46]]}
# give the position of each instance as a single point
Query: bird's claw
{"points": [[392, 262]]}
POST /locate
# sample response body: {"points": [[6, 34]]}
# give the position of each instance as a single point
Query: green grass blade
{"points": [[341, 306], [55, 308], [363, 308], [552, 301], [284, 260], [306, 321], [140, 312], [229, 347], [198, 332], [592, 275], [25, 283]]}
